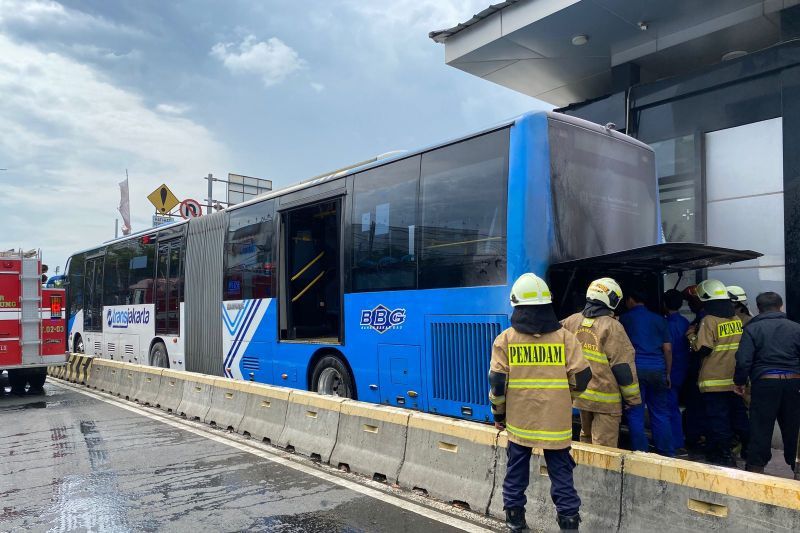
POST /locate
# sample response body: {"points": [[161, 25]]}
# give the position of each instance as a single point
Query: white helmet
{"points": [[712, 289], [605, 290], [530, 289], [737, 294]]}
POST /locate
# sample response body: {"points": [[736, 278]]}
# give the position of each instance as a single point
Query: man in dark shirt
{"points": [[769, 355]]}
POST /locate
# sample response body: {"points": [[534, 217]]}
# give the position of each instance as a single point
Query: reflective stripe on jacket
{"points": [[540, 373], [604, 344], [721, 336]]}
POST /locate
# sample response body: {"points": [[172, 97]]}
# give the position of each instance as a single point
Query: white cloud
{"points": [[272, 59], [318, 87], [56, 18], [173, 109], [68, 136]]}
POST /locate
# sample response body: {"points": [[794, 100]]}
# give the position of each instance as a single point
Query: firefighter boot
{"points": [[569, 523], [515, 519]]}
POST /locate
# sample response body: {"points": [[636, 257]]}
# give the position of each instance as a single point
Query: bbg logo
{"points": [[126, 317], [382, 318]]}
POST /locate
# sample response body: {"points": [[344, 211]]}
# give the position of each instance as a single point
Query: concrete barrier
{"points": [[82, 369], [126, 386], [146, 385], [460, 461], [312, 421], [196, 398], [453, 460], [115, 377], [170, 392], [97, 372], [70, 371], [228, 403], [371, 439], [265, 412], [598, 479], [684, 496]]}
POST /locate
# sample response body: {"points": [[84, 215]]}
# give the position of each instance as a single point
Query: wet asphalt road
{"points": [[69, 462]]}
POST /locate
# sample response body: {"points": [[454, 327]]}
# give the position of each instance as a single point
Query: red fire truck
{"points": [[32, 322]]}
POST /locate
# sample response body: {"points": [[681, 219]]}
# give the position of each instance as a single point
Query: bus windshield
{"points": [[603, 193]]}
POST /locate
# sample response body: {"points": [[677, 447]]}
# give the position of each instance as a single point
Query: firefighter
{"points": [[611, 357], [739, 299], [716, 342], [536, 365]]}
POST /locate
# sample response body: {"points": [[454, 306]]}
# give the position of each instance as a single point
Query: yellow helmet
{"points": [[530, 289], [605, 290], [712, 289], [737, 293]]}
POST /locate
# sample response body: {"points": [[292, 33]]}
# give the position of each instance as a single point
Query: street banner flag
{"points": [[125, 206]]}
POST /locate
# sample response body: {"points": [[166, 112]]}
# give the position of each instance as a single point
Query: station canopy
{"points": [[563, 51]]}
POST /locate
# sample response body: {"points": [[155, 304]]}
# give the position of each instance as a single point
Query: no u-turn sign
{"points": [[191, 208]]}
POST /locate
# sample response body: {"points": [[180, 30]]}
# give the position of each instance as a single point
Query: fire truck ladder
{"points": [[31, 281]]}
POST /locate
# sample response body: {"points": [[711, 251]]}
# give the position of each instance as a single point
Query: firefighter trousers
{"points": [[726, 416], [559, 468], [600, 428]]}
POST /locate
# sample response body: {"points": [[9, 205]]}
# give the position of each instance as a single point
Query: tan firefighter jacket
{"points": [[744, 317], [540, 373], [722, 336], [605, 344]]}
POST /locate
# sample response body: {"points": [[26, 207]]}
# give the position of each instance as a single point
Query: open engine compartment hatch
{"points": [[642, 268], [662, 258]]}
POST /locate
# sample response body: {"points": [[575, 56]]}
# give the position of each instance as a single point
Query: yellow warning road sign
{"points": [[163, 199]]}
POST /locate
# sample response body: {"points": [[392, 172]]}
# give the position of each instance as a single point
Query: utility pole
{"points": [[210, 198]]}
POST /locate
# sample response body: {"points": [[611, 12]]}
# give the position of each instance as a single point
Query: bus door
{"points": [[93, 307], [168, 286], [311, 299]]}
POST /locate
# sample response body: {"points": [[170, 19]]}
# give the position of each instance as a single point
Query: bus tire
{"points": [[17, 379], [158, 355], [332, 377], [36, 379], [77, 344]]}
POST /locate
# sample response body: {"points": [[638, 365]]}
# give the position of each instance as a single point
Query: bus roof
{"points": [[377, 162]]}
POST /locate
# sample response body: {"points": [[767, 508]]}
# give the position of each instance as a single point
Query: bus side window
{"points": [[464, 199], [382, 227], [249, 264]]}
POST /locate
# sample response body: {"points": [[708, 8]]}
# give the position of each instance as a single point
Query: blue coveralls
{"points": [[648, 332], [678, 325]]}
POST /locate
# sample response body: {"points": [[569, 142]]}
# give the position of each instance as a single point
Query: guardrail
{"points": [[455, 460]]}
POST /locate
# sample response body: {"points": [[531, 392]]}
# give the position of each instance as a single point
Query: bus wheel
{"points": [[332, 377], [17, 379], [78, 344], [36, 379], [158, 355]]}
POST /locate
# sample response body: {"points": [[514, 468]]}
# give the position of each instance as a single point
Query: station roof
{"points": [[534, 46]]}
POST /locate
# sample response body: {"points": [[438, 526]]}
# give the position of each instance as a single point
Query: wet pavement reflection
{"points": [[69, 462]]}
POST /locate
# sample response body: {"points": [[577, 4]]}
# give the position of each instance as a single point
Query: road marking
{"points": [[275, 458]]}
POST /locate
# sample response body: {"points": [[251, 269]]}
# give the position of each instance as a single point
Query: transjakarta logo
{"points": [[382, 318], [126, 317]]}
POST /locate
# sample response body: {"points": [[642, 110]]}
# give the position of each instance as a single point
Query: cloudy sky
{"points": [[174, 90]]}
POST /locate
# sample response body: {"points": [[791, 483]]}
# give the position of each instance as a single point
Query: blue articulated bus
{"points": [[386, 282]]}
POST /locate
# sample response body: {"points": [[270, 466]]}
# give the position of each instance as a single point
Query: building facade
{"points": [[712, 86]]}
